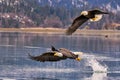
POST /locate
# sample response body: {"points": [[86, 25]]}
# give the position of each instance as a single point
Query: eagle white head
{"points": [[58, 54], [97, 16], [80, 54], [84, 13]]}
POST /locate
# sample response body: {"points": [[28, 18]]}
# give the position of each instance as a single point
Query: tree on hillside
{"points": [[53, 21]]}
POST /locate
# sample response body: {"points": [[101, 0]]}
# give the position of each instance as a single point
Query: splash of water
{"points": [[93, 62], [96, 66]]}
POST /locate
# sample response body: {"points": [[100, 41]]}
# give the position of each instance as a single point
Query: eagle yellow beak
{"points": [[78, 59]]}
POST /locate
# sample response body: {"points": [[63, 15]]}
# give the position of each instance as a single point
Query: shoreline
{"points": [[60, 31]]}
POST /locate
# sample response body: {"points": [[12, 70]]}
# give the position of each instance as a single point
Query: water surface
{"points": [[101, 57]]}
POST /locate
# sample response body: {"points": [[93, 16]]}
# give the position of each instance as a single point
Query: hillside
{"points": [[54, 13]]}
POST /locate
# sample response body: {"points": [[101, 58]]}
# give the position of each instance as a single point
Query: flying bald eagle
{"points": [[56, 55], [93, 15]]}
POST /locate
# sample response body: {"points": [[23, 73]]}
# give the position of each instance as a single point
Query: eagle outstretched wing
{"points": [[48, 56], [77, 22]]}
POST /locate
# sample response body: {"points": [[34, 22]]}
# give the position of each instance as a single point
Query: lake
{"points": [[100, 60]]}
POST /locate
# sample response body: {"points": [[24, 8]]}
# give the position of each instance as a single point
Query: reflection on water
{"points": [[101, 56], [75, 42], [97, 76]]}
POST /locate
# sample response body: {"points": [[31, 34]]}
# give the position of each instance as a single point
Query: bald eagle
{"points": [[93, 15], [56, 55]]}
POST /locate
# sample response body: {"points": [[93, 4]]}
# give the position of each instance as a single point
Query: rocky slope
{"points": [[52, 13]]}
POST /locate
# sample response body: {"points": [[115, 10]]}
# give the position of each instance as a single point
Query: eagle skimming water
{"points": [[57, 55]]}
